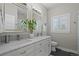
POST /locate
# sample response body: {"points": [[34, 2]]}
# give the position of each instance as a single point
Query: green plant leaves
{"points": [[30, 24]]}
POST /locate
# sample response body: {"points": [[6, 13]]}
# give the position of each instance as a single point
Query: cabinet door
{"points": [[45, 47], [38, 48], [42, 48], [10, 17]]}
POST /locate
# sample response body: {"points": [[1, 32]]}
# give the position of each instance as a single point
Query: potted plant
{"points": [[31, 25]]}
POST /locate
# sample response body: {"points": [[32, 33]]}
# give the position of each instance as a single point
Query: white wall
{"points": [[66, 40]]}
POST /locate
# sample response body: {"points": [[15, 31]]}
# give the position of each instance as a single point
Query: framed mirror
{"points": [[14, 13], [1, 17]]}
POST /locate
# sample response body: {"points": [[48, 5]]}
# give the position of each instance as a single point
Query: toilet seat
{"points": [[54, 43]]}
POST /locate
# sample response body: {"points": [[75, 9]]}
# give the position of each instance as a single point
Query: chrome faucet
{"points": [[6, 38]]}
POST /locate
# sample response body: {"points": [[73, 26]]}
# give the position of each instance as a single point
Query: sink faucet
{"points": [[18, 37], [6, 38]]}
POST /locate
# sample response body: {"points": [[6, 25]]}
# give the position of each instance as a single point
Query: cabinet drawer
{"points": [[20, 52], [39, 52], [43, 48], [41, 43]]}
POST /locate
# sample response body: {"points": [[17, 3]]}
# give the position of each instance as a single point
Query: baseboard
{"points": [[68, 50]]}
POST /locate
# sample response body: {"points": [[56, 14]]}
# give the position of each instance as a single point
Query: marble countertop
{"points": [[19, 44]]}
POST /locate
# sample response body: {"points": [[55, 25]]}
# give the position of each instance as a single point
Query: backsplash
{"points": [[2, 39], [13, 37]]}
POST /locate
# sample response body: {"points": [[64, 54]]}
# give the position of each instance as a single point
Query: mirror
{"points": [[1, 18], [14, 13], [10, 17], [21, 15], [38, 19]]}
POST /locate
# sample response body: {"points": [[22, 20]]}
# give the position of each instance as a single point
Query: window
{"points": [[60, 24]]}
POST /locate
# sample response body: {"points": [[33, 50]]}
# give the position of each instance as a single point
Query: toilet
{"points": [[53, 46]]}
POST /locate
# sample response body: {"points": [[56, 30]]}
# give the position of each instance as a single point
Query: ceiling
{"points": [[50, 5]]}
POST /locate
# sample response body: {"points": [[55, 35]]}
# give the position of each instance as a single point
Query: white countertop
{"points": [[19, 43]]}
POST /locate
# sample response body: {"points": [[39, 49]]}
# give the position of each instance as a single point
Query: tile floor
{"points": [[60, 52]]}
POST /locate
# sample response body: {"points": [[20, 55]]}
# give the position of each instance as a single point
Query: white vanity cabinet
{"points": [[39, 48], [24, 51]]}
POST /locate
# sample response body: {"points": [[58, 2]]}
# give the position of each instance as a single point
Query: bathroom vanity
{"points": [[11, 16], [38, 46]]}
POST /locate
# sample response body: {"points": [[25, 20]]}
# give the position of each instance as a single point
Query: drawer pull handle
{"points": [[40, 50]]}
